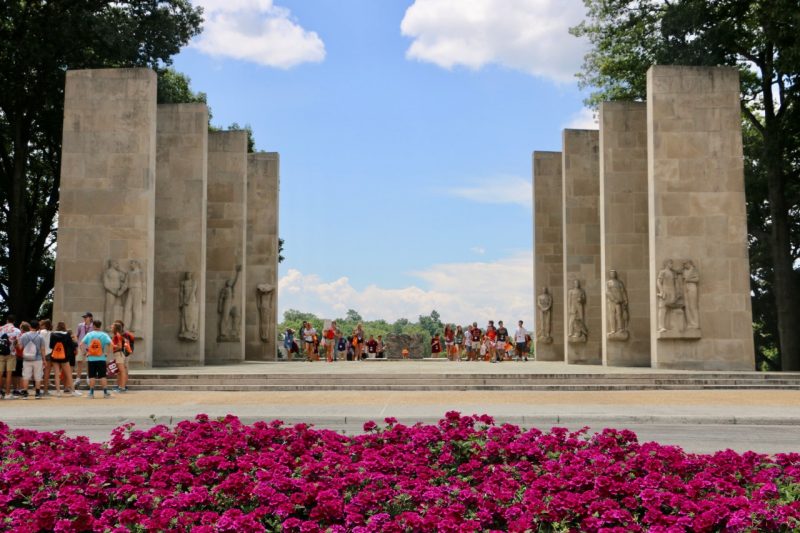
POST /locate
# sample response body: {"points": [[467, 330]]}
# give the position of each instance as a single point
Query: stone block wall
{"points": [[581, 215], [261, 310], [548, 253], [180, 237], [624, 233], [225, 247], [108, 201], [697, 204]]}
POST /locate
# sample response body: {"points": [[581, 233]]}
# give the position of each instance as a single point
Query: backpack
{"points": [[30, 351], [125, 341], [58, 354], [5, 344], [95, 348], [129, 345]]}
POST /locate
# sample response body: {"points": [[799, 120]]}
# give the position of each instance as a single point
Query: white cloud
{"points": [[478, 250], [257, 31], [585, 119], [497, 190], [460, 292], [527, 35]]}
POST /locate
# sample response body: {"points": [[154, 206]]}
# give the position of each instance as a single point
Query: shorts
{"points": [[501, 345], [80, 357], [8, 363], [120, 359], [33, 370], [97, 369], [18, 369], [521, 346], [331, 343]]}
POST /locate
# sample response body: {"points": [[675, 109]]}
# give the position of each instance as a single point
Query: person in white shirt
{"points": [[8, 360], [521, 340], [308, 340]]}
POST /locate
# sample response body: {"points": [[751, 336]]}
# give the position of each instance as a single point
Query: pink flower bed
{"points": [[463, 474]]}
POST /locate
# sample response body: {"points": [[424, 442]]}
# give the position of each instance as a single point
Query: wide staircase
{"points": [[460, 382]]}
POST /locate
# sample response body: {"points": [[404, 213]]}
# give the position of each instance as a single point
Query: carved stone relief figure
{"points": [[116, 285], [617, 315], [264, 295], [678, 308], [137, 295], [228, 330], [576, 298], [545, 304], [690, 280], [189, 308]]}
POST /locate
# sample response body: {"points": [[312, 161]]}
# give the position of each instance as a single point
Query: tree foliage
{"points": [[760, 37], [39, 41]]}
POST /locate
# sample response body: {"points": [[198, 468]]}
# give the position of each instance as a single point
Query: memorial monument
{"points": [[153, 223]]}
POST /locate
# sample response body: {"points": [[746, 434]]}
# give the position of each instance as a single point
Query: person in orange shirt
{"points": [[330, 341]]}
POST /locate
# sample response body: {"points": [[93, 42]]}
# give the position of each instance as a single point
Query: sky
{"points": [[405, 130]]}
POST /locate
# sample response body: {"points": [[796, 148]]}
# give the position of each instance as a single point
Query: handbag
{"points": [[112, 369]]}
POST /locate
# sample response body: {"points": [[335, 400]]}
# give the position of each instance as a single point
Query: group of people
{"points": [[333, 345], [36, 352], [493, 344]]}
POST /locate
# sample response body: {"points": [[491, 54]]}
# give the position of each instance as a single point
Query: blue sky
{"points": [[405, 130]]}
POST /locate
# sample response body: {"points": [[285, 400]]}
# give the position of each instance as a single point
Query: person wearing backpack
{"points": [[61, 346], [96, 344], [32, 361], [45, 328], [8, 359], [122, 348]]}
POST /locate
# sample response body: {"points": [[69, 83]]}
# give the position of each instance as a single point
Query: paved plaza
{"points": [[767, 421]]}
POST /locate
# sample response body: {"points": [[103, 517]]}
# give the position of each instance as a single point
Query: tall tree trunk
{"points": [[18, 249], [785, 282]]}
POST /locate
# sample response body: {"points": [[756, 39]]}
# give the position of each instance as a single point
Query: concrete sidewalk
{"points": [[767, 421]]}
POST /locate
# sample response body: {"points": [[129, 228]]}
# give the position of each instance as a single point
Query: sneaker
{"points": [[77, 383], [17, 393], [59, 394], [91, 394], [24, 394], [116, 389], [106, 394], [39, 395], [76, 393], [124, 390]]}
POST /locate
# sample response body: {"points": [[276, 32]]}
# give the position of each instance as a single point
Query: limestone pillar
{"points": [[261, 308], [582, 276], [699, 263], [104, 261], [225, 247], [180, 259], [623, 234], [548, 257]]}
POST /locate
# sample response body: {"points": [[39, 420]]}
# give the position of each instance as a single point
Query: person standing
{"points": [[309, 333], [361, 338], [121, 348], [45, 328], [381, 347], [521, 340], [80, 358], [61, 346], [459, 342], [8, 359], [502, 339], [97, 345], [491, 335], [330, 341], [32, 358], [476, 341], [436, 346], [372, 347], [341, 347]]}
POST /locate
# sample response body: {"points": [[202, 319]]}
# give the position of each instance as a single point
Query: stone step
{"points": [[441, 382], [462, 387], [562, 377]]}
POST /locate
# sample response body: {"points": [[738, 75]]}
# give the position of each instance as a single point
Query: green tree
{"points": [[760, 38], [175, 88], [432, 323], [39, 41]]}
